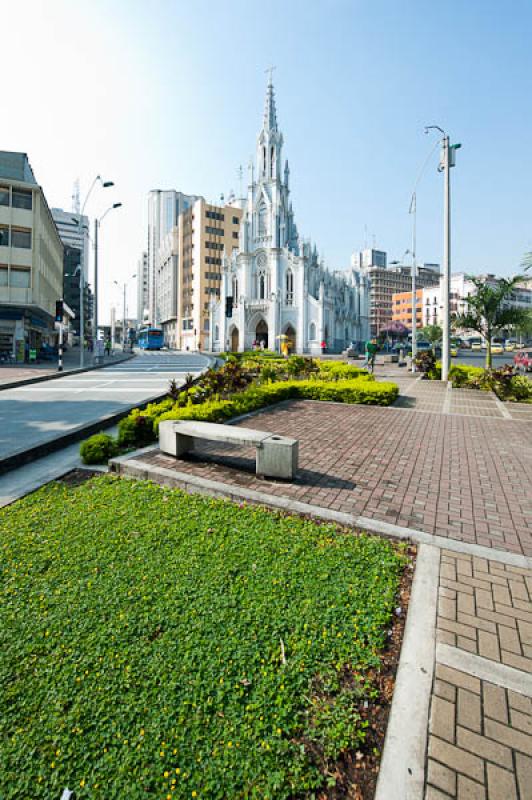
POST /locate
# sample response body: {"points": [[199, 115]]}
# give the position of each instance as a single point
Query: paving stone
{"points": [[484, 747], [445, 690], [484, 599], [518, 662], [522, 722], [469, 712], [488, 645], [523, 765], [470, 790], [441, 777], [442, 718], [447, 608], [509, 639], [456, 758], [520, 701], [495, 705], [431, 793], [501, 784]]}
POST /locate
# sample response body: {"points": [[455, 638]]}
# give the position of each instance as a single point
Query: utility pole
{"points": [[447, 160], [124, 321], [446, 287], [413, 211]]}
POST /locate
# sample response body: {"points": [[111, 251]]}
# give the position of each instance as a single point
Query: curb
{"points": [[402, 768], [55, 375]]}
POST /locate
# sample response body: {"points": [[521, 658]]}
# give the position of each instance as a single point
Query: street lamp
{"points": [[124, 314], [97, 223], [447, 160], [105, 185]]}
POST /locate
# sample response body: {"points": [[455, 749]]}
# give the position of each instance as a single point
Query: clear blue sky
{"points": [[169, 94]]}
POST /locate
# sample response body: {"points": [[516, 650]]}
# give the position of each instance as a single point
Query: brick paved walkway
{"points": [[480, 731], [463, 477]]}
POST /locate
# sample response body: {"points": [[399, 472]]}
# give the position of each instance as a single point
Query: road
{"points": [[34, 414], [478, 359]]}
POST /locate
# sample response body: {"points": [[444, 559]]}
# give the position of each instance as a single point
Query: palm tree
{"points": [[487, 312], [432, 334]]}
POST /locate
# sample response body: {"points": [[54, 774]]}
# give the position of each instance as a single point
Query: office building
{"points": [[31, 260], [74, 232], [402, 308], [143, 299]]}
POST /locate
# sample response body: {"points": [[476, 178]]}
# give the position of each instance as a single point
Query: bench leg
{"points": [[277, 459], [183, 444]]}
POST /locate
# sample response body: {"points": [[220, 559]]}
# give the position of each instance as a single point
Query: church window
{"points": [[216, 333], [263, 160], [272, 159], [235, 290], [262, 219], [312, 332], [289, 287], [262, 286]]}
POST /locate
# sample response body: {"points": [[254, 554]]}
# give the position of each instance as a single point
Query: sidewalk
{"points": [[11, 375]]}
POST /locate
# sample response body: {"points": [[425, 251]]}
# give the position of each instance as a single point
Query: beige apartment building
{"points": [[31, 260], [189, 272]]}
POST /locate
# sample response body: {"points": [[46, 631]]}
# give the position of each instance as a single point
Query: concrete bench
{"points": [[276, 455]]}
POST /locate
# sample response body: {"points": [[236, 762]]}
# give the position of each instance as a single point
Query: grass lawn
{"points": [[155, 644]]}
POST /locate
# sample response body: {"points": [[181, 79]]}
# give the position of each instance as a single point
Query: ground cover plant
{"points": [[503, 381], [155, 644]]}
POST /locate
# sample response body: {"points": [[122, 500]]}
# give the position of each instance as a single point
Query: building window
{"points": [[4, 236], [20, 278], [235, 234], [22, 199], [21, 237], [235, 290], [216, 333], [235, 220], [312, 332], [289, 287], [4, 195], [262, 286], [214, 231]]}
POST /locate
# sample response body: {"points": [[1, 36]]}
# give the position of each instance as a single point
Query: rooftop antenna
{"points": [[374, 242], [75, 197], [240, 173]]}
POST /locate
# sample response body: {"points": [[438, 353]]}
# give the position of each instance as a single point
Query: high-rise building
{"points": [[143, 299], [71, 287], [164, 208], [387, 280], [189, 271], [31, 259], [74, 232], [402, 308]]}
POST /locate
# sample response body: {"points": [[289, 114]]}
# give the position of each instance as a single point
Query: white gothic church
{"points": [[275, 287]]}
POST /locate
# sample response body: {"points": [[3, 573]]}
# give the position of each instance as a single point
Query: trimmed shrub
{"points": [[137, 429], [461, 375], [98, 449], [337, 370]]}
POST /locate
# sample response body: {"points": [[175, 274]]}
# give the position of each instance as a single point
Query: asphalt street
{"points": [[33, 414]]}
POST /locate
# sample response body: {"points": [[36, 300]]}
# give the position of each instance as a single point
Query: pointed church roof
{"points": [[270, 114]]}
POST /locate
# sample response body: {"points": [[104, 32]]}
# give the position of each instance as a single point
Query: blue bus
{"points": [[150, 339]]}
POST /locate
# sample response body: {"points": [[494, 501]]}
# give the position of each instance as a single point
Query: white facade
{"points": [[74, 231], [142, 288], [275, 284], [164, 208]]}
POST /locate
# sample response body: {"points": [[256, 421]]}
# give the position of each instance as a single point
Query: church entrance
{"points": [[234, 340], [291, 339], [261, 334]]}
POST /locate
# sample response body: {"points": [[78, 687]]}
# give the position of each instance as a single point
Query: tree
{"points": [[432, 334], [487, 312]]}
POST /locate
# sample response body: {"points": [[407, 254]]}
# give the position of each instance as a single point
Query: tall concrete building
{"points": [[31, 259], [387, 280], [190, 271], [74, 232], [164, 208], [143, 296]]}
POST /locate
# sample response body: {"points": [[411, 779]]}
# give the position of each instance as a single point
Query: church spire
{"points": [[270, 114]]}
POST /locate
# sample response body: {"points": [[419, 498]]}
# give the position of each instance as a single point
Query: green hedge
{"points": [[360, 391], [461, 374], [98, 449], [335, 370]]}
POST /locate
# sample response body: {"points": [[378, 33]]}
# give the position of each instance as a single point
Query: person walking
{"points": [[371, 352], [107, 347]]}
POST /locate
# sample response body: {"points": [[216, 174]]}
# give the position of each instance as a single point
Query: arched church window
{"points": [[289, 287], [264, 161], [235, 290], [312, 332], [262, 286], [272, 159], [263, 229], [216, 333]]}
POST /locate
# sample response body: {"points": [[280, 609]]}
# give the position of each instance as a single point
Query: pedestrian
{"points": [[107, 347], [371, 352], [323, 346]]}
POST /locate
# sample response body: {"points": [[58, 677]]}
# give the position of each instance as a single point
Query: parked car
{"points": [[497, 346], [476, 344], [510, 345], [523, 360]]}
